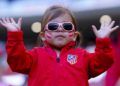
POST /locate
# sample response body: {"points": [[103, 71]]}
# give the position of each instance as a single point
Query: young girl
{"points": [[59, 62]]}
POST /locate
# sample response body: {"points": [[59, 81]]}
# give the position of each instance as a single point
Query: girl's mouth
{"points": [[61, 36]]}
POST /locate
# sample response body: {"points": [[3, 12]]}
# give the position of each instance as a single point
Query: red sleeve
{"points": [[19, 59], [102, 59]]}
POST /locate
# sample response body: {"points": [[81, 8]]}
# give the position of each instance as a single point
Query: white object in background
{"points": [[98, 81], [14, 80]]}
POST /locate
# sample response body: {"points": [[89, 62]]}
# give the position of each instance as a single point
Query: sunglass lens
{"points": [[67, 26], [52, 26]]}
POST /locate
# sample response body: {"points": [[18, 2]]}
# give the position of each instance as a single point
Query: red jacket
{"points": [[74, 67]]}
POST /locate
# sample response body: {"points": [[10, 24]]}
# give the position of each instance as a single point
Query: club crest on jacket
{"points": [[72, 59]]}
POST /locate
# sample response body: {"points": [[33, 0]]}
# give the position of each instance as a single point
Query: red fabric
{"points": [[43, 69], [113, 74]]}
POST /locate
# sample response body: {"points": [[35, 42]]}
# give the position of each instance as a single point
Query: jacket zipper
{"points": [[58, 59], [56, 71]]}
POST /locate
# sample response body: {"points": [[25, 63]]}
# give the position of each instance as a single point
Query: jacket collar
{"points": [[71, 44], [65, 49]]}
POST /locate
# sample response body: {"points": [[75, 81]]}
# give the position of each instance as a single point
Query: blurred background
{"points": [[87, 13]]}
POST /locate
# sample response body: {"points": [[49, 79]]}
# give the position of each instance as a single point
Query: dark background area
{"points": [[84, 22]]}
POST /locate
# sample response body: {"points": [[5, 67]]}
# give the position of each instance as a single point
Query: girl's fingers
{"points": [[20, 21], [94, 29], [114, 28], [107, 23], [8, 20], [12, 20], [103, 24], [111, 24], [4, 21]]}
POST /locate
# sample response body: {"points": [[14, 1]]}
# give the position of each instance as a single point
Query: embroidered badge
{"points": [[72, 59]]}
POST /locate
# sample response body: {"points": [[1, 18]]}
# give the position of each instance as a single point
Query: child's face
{"points": [[60, 31]]}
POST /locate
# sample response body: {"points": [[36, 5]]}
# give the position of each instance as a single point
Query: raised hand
{"points": [[105, 30], [10, 24]]}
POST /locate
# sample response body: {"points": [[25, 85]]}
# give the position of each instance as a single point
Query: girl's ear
{"points": [[76, 35], [42, 36]]}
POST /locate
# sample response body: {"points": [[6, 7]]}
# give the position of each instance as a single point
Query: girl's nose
{"points": [[60, 28]]}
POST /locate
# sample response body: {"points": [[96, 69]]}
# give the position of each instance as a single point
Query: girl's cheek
{"points": [[71, 34], [48, 36]]}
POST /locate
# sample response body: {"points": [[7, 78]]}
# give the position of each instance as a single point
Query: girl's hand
{"points": [[10, 24], [105, 30]]}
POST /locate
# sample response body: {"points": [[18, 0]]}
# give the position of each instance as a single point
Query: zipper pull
{"points": [[58, 59]]}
